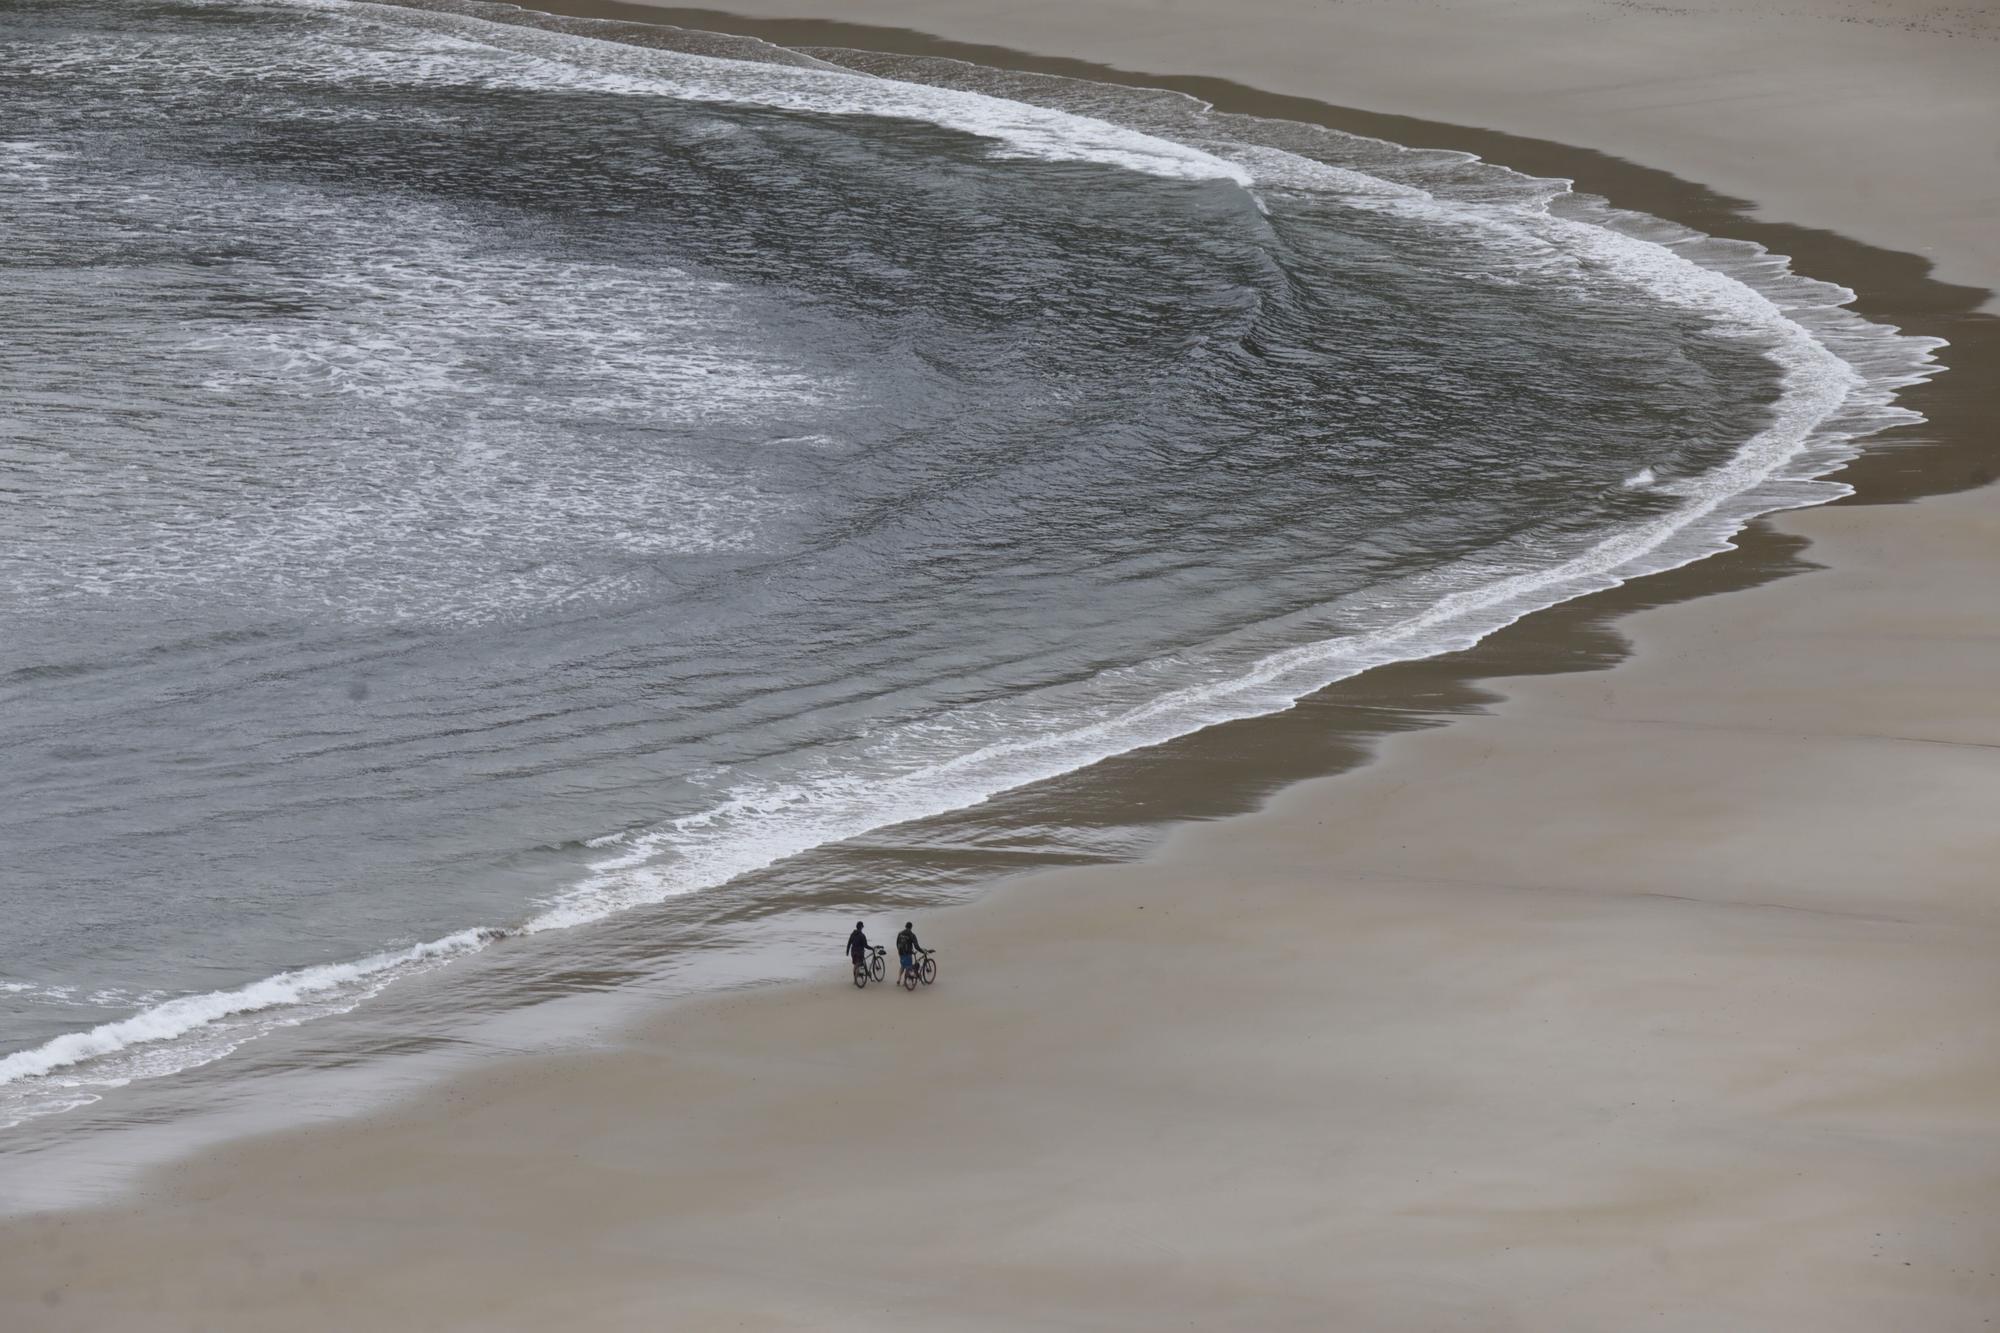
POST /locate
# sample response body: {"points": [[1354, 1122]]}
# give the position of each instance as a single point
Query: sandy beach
{"points": [[1662, 995]]}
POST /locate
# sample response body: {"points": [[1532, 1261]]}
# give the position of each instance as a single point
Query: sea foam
{"points": [[552, 60], [333, 986]]}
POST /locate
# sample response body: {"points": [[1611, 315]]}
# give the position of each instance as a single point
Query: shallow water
{"points": [[468, 477]]}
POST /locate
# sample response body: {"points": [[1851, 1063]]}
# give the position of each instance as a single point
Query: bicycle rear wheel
{"points": [[860, 977], [909, 979], [929, 970]]}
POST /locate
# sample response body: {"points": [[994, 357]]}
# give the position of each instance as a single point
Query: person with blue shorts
{"points": [[907, 946]]}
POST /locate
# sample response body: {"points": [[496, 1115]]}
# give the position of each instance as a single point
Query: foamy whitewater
{"points": [[474, 475]]}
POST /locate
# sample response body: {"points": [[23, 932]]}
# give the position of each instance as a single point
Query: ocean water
{"points": [[470, 477]]}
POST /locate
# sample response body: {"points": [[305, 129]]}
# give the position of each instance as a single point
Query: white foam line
{"points": [[180, 1016], [561, 59]]}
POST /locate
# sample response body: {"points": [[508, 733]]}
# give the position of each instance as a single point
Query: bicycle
{"points": [[871, 968], [924, 971]]}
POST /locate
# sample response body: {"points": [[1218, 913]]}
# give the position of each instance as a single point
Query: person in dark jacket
{"points": [[857, 945], [906, 944]]}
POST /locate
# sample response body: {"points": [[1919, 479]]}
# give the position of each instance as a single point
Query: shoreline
{"points": [[1542, 702], [1908, 301], [1686, 89]]}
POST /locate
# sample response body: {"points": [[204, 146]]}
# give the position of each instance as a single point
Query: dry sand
{"points": [[1660, 997]]}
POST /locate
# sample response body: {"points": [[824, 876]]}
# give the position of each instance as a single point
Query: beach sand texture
{"points": [[1663, 996]]}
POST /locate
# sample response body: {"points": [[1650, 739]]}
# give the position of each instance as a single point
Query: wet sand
{"points": [[1660, 995]]}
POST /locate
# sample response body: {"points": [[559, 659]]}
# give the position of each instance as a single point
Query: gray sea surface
{"points": [[466, 475]]}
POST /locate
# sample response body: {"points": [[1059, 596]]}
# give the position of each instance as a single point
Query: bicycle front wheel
{"points": [[876, 969], [929, 970]]}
